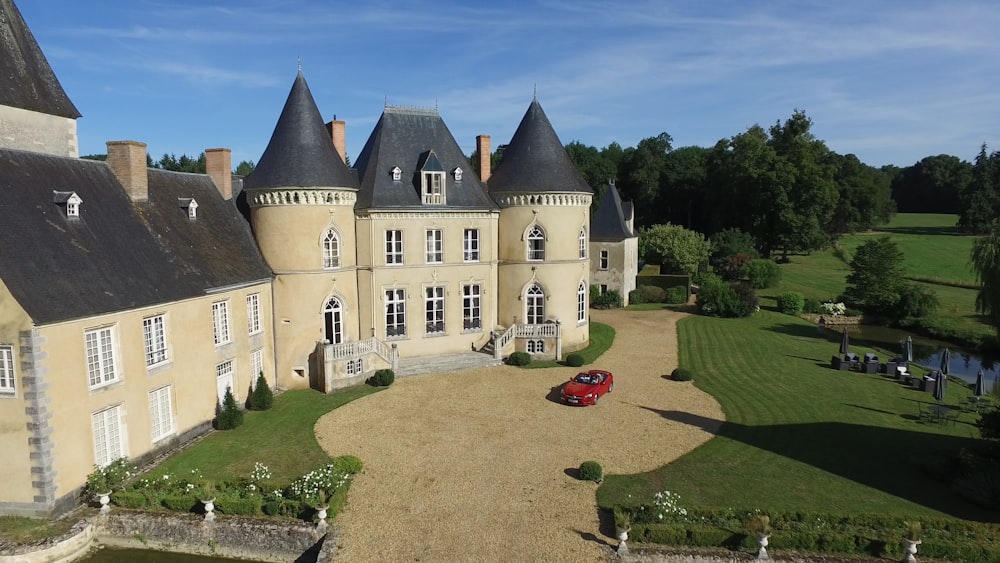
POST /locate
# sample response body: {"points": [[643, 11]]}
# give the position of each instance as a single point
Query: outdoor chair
{"points": [[870, 366], [837, 363], [951, 416], [924, 415]]}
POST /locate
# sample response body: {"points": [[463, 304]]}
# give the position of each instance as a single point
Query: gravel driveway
{"points": [[477, 465]]}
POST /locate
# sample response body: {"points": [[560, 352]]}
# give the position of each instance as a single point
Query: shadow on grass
{"points": [[886, 459], [943, 231]]}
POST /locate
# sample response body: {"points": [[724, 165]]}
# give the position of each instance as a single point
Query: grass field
{"points": [[798, 435]]}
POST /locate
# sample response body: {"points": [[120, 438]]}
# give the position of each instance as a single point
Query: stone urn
{"points": [[209, 505], [104, 499], [911, 550], [321, 512], [622, 538], [762, 541]]}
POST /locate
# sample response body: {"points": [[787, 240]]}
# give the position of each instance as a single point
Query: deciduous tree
{"points": [[676, 249]]}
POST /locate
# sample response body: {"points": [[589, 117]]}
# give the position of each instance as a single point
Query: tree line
{"points": [[184, 163]]}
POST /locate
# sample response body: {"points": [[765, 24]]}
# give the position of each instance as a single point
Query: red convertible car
{"points": [[587, 387]]}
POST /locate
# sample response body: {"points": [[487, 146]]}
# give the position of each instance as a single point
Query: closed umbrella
{"points": [[939, 383], [980, 388], [945, 358], [845, 342], [908, 349]]}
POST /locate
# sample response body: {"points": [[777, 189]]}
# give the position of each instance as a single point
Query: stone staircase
{"points": [[444, 363]]}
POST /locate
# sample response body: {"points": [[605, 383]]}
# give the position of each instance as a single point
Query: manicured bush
{"points": [[791, 303], [131, 499], [717, 298], [681, 374], [676, 295], [179, 503], [262, 397], [591, 471], [574, 360], [519, 359], [652, 293], [238, 505], [812, 306], [230, 416], [348, 464], [761, 273], [610, 299], [382, 378]]}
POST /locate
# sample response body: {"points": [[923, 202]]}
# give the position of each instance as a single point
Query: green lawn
{"points": [[798, 435], [281, 438], [601, 338]]}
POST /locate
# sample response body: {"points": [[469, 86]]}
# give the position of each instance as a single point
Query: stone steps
{"points": [[444, 363]]}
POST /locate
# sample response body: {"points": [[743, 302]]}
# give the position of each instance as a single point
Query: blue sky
{"points": [[890, 81]]}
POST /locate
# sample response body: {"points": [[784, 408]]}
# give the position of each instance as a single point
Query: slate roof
{"points": [[117, 255], [26, 79], [300, 153], [535, 160], [608, 223], [403, 137]]}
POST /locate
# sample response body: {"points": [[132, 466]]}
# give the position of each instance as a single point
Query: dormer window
{"points": [[70, 201], [189, 205], [458, 174], [432, 179], [397, 174]]}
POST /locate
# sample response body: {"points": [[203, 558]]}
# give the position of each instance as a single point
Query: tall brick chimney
{"points": [[219, 166], [485, 157], [338, 134], [127, 160]]}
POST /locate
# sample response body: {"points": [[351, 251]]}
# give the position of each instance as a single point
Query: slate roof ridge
{"points": [[608, 222], [28, 80], [300, 152], [535, 160]]}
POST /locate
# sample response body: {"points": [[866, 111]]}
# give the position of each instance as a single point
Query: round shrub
{"points": [[681, 374], [591, 471], [677, 295], [812, 306], [791, 303], [652, 293], [717, 298], [519, 359], [348, 464], [574, 360], [761, 273], [610, 299], [382, 378]]}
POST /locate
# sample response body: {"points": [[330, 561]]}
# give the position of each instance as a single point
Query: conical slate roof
{"points": [[300, 153], [535, 160], [608, 223], [26, 79]]}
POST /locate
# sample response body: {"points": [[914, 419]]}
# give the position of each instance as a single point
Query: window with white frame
{"points": [[397, 174], [107, 426], [583, 243], [253, 313], [154, 336], [435, 246], [256, 364], [604, 259], [395, 313], [394, 246], [102, 358], [536, 243], [355, 367], [434, 187], [434, 310], [581, 303], [331, 249], [472, 307], [7, 386], [220, 322], [161, 414], [225, 379], [73, 205], [534, 305], [536, 346], [470, 245], [333, 321]]}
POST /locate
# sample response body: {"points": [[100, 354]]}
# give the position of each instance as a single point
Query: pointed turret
{"points": [[300, 153], [610, 221], [26, 79], [535, 160]]}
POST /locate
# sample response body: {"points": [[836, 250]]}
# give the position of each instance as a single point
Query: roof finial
{"points": [[534, 92], [300, 63], [385, 103]]}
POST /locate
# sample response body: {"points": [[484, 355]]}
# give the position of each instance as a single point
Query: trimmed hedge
{"points": [[519, 359], [574, 360], [591, 471], [791, 303], [678, 295], [382, 378], [681, 374], [238, 505]]}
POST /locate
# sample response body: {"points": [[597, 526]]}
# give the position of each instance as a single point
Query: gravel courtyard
{"points": [[477, 465]]}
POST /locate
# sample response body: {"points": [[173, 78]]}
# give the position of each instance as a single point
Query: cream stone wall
{"points": [[38, 132], [622, 265], [16, 483]]}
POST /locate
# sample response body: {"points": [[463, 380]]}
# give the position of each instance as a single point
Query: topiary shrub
{"points": [[610, 299], [791, 303], [230, 416], [238, 505], [761, 273], [677, 295], [591, 471], [519, 359], [262, 398], [131, 499], [574, 360], [179, 503], [652, 293], [382, 378], [681, 374]]}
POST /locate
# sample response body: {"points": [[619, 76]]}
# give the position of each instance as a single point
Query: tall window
{"points": [[536, 243], [7, 386], [583, 243], [161, 414], [154, 335], [253, 313], [333, 321], [434, 310], [256, 364], [470, 245], [220, 322], [394, 247], [471, 307], [581, 303], [102, 366], [331, 249], [224, 379], [534, 306], [108, 431], [604, 259], [434, 187], [395, 312], [435, 246]]}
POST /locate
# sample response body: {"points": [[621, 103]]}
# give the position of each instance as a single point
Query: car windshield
{"points": [[586, 379]]}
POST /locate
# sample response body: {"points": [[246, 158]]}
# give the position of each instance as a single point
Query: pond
{"points": [[115, 555]]}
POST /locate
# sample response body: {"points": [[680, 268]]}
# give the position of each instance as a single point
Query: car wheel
{"points": [[611, 387], [596, 397]]}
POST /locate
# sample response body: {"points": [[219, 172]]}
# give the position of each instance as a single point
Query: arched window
{"points": [[536, 243], [534, 305], [333, 321], [581, 302], [583, 243], [331, 249]]}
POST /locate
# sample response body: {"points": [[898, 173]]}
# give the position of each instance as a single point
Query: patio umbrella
{"points": [[939, 383], [980, 388], [845, 342], [908, 349], [945, 358]]}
